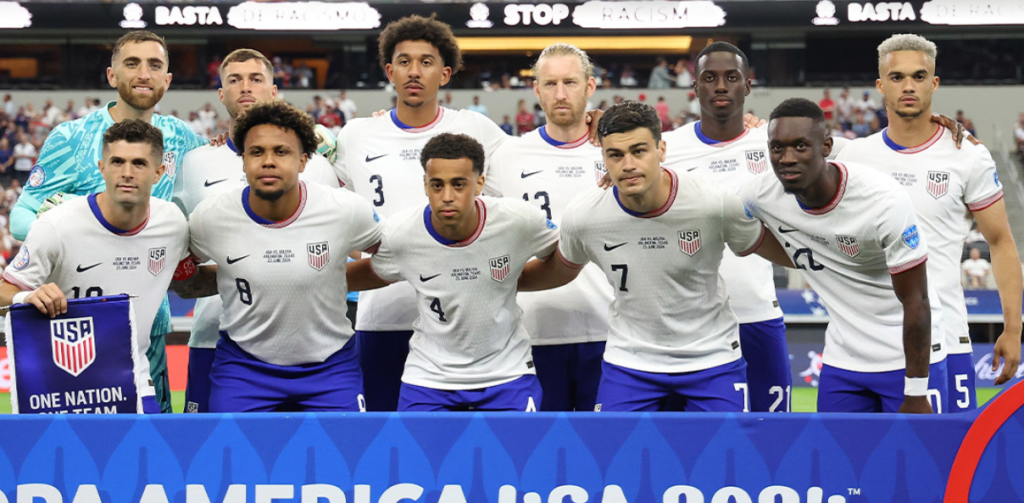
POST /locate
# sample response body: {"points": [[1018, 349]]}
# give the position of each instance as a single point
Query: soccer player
{"points": [[548, 167], [462, 254], [378, 158], [853, 234], [720, 147], [246, 79], [67, 162], [948, 185], [120, 240], [280, 246], [658, 237]]}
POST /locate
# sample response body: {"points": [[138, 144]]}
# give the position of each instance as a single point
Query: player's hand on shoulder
{"points": [[326, 143], [958, 129], [915, 405], [593, 118], [48, 299], [219, 140], [54, 201], [378, 113], [751, 121]]}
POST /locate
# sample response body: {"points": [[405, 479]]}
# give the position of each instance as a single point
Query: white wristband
{"points": [[916, 386], [19, 298]]}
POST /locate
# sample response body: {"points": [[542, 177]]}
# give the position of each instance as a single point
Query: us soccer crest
{"points": [[319, 254], [157, 257], [500, 267], [938, 183], [74, 344], [848, 245], [757, 162], [169, 165], [599, 170], [689, 241]]}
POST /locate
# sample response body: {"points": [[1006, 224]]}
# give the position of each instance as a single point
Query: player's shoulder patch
{"points": [[911, 237], [37, 176], [22, 260], [551, 225]]}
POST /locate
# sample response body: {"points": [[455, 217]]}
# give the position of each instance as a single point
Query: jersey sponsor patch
{"points": [[37, 176], [169, 164], [689, 241], [319, 254], [74, 344], [848, 245], [757, 162], [22, 260], [157, 258], [500, 267], [911, 237], [938, 183]]}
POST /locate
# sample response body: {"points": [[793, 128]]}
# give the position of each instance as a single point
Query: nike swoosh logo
{"points": [[371, 159], [83, 269], [215, 182], [428, 278], [525, 174], [786, 231], [612, 247], [233, 260], [691, 169]]}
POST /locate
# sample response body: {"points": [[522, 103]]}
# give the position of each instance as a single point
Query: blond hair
{"points": [[906, 42], [561, 49]]}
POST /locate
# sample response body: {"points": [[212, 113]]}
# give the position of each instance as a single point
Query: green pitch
{"points": [[804, 399]]}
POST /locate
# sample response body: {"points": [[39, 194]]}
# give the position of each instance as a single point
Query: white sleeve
{"points": [[182, 194], [899, 234], [197, 240], [740, 230], [385, 261], [982, 184], [838, 145], [340, 170], [748, 197], [569, 245], [40, 254], [541, 232], [366, 230]]}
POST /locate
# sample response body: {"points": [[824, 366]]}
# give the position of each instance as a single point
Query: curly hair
{"points": [[429, 29], [454, 146], [136, 131], [138, 37], [275, 113], [627, 116]]}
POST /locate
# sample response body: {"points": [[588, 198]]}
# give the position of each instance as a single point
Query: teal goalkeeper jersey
{"points": [[69, 157]]}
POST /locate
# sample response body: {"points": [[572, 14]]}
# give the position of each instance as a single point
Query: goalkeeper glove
{"points": [[54, 201], [327, 144]]}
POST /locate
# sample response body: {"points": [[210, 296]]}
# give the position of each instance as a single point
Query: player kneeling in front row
{"points": [[71, 249], [280, 246], [659, 237], [463, 255]]}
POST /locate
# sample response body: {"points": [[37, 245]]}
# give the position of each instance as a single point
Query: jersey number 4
{"points": [[435, 306]]}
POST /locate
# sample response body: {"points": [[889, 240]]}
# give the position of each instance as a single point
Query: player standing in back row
{"points": [[720, 147], [948, 186]]}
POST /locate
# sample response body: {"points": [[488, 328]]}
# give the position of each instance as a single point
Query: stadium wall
{"points": [[988, 106]]}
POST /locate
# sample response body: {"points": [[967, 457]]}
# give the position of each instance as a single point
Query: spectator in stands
{"points": [[11, 195], [196, 124], [866, 107], [477, 107], [1018, 133], [506, 126], [829, 108], [213, 72], [692, 109], [861, 128], [976, 271], [968, 123], [539, 118], [975, 236], [208, 116], [6, 159], [845, 108], [660, 77], [448, 100], [282, 73], [9, 107], [24, 157], [684, 76], [524, 119], [628, 79], [663, 113], [303, 76], [51, 114], [346, 106]]}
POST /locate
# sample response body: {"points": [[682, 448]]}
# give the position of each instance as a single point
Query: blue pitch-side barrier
{"points": [[517, 457]]}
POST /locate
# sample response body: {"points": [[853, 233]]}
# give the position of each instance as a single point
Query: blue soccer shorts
{"points": [[848, 391], [769, 377], [197, 388], [382, 359], [962, 394], [717, 389], [569, 374], [522, 394]]}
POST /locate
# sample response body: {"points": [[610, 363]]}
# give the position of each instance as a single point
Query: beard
{"points": [[908, 114], [574, 117], [139, 102], [269, 196]]}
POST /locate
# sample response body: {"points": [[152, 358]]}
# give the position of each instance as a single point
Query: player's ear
{"points": [[591, 86], [479, 185], [167, 83], [446, 75], [388, 72], [111, 78], [826, 146], [878, 86], [160, 172], [302, 162], [662, 150]]}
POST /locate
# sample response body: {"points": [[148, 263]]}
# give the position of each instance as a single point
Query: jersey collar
{"points": [[658, 212], [911, 150], [561, 144], [95, 207], [715, 143], [270, 224], [231, 145], [840, 191], [413, 129], [480, 207]]}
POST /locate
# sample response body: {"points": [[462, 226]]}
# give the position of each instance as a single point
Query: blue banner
{"points": [[78, 363], [518, 457]]}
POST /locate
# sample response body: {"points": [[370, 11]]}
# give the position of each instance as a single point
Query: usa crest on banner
{"points": [[689, 241], [81, 362], [757, 162], [848, 245], [500, 267], [938, 183], [319, 254]]}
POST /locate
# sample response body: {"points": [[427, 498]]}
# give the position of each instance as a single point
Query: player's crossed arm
{"points": [[48, 299], [360, 276], [191, 280], [549, 272]]}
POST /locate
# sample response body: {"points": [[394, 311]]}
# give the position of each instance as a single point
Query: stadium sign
{"points": [[540, 14], [14, 16], [188, 15], [880, 12], [304, 16], [973, 13], [648, 15]]}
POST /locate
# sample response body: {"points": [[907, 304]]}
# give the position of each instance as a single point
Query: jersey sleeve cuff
{"points": [[374, 271], [568, 263], [8, 277], [985, 203], [908, 265], [756, 245], [372, 250]]}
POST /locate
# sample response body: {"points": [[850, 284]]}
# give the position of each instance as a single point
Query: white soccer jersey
{"points": [[206, 172], [379, 159], [671, 312], [74, 247], [281, 283], [749, 280], [549, 174], [847, 251], [469, 333], [946, 184]]}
